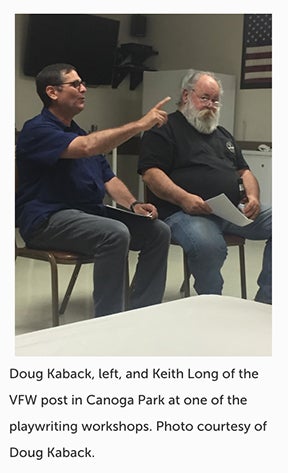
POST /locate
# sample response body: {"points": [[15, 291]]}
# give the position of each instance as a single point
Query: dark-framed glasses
{"points": [[75, 83], [206, 100]]}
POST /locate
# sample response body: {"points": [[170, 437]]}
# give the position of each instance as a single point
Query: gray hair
{"points": [[190, 79]]}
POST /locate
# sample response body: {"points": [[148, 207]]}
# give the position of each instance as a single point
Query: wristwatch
{"points": [[133, 205]]}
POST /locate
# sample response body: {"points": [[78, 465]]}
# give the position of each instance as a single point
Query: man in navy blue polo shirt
{"points": [[63, 178], [191, 159]]}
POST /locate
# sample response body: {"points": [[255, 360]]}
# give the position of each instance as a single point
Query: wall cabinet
{"points": [[260, 164]]}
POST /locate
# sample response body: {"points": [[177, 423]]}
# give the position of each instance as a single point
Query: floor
{"points": [[33, 296]]}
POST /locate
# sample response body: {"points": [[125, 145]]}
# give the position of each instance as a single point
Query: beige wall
{"points": [[201, 41]]}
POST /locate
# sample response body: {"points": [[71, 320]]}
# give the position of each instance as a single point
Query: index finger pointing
{"points": [[162, 102]]}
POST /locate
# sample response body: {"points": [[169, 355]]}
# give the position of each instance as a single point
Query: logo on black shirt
{"points": [[230, 146]]}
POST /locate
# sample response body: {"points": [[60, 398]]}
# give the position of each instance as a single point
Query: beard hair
{"points": [[205, 121]]}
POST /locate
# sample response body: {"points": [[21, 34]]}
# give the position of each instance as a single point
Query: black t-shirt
{"points": [[205, 165]]}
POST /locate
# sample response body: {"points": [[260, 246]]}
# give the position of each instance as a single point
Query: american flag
{"points": [[257, 52]]}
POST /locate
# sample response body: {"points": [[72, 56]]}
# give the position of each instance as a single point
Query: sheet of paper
{"points": [[223, 207]]}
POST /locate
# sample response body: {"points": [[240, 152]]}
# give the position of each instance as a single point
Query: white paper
{"points": [[223, 207]]}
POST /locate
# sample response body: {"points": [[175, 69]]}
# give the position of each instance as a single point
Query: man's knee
{"points": [[163, 230], [119, 234], [158, 236], [210, 251], [107, 236]]}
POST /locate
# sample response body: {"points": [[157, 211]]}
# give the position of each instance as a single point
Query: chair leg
{"points": [[127, 287], [54, 288], [242, 271], [185, 288], [70, 288]]}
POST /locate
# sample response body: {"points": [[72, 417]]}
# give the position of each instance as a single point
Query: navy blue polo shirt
{"points": [[48, 183], [205, 165]]}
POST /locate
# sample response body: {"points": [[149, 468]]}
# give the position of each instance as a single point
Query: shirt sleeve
{"points": [[43, 143], [107, 172], [156, 150], [241, 162]]}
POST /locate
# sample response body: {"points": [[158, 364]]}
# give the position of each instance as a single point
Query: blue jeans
{"points": [[108, 241], [201, 237]]}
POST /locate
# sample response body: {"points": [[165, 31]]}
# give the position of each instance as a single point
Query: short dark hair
{"points": [[51, 75]]}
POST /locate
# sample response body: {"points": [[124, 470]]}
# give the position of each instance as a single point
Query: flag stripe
{"points": [[263, 80], [258, 68], [259, 55], [260, 49], [255, 75], [257, 62]]}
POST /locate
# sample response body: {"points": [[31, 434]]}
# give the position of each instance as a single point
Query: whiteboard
{"points": [[159, 84]]}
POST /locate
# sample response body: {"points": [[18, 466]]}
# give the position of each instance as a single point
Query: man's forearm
{"points": [[100, 142], [119, 192], [250, 184], [163, 187]]}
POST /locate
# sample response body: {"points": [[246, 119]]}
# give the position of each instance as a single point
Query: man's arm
{"points": [[104, 141], [119, 192], [252, 208], [163, 187]]}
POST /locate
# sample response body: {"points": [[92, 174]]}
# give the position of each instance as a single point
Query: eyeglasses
{"points": [[75, 83], [206, 100]]}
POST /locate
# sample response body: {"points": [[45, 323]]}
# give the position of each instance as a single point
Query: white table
{"points": [[206, 325]]}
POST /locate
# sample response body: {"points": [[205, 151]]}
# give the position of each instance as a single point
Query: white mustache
{"points": [[205, 121]]}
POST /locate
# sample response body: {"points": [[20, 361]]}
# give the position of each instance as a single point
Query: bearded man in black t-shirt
{"points": [[191, 159]]}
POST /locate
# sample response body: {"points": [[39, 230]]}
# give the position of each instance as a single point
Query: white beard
{"points": [[205, 121]]}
